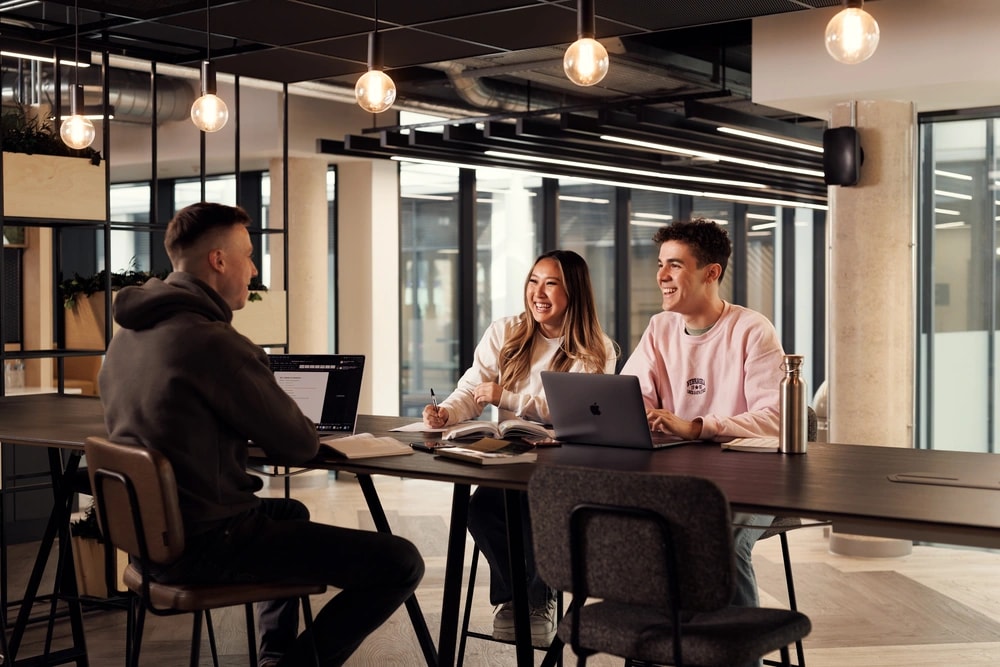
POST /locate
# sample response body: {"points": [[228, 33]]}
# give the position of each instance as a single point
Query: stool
{"points": [[466, 633]]}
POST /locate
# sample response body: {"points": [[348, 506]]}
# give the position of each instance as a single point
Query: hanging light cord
{"points": [[208, 30], [76, 45]]}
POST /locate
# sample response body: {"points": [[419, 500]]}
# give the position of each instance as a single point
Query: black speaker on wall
{"points": [[842, 156]]}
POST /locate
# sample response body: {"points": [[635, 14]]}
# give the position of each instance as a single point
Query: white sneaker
{"points": [[503, 622], [543, 624]]}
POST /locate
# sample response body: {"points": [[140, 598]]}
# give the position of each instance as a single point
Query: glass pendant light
{"points": [[77, 131], [852, 35], [375, 91], [209, 112], [586, 60]]}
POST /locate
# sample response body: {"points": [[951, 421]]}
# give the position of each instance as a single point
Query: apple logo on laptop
{"points": [[595, 409]]}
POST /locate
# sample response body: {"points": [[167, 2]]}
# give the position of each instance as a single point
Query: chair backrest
{"points": [[136, 496], [625, 556]]}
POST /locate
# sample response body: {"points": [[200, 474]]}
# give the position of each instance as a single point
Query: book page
{"points": [[752, 445]]}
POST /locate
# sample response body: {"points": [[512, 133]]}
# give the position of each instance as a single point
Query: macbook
{"points": [[592, 409], [326, 387]]}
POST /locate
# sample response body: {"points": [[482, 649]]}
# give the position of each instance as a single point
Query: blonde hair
{"points": [[583, 340]]}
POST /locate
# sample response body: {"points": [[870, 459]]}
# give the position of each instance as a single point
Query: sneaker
{"points": [[543, 624], [503, 622]]}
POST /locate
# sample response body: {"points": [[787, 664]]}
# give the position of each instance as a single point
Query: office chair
{"points": [[138, 510], [657, 553], [465, 633]]}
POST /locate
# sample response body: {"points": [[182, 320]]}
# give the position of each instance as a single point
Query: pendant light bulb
{"points": [[375, 91], [852, 35], [586, 59], [77, 131], [209, 112], [586, 62]]}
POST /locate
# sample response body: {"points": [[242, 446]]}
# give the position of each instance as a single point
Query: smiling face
{"points": [[687, 289], [546, 297]]}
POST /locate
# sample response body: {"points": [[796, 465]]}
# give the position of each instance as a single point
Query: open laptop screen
{"points": [[326, 387]]}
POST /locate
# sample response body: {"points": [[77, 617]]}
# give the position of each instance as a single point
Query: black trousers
{"points": [[488, 525], [375, 573]]}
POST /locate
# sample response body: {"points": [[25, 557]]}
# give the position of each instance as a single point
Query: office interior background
{"points": [[463, 228]]}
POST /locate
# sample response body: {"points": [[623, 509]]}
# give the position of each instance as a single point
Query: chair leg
{"points": [[790, 585], [251, 635], [464, 634], [195, 638], [307, 616], [140, 625]]}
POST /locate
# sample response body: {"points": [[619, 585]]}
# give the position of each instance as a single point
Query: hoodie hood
{"points": [[144, 306]]}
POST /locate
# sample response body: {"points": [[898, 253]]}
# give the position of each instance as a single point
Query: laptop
{"points": [[326, 387], [593, 409]]}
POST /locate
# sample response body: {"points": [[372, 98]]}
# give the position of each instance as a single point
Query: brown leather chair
{"points": [[136, 497]]}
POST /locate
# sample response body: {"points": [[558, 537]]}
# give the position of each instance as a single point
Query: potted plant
{"points": [[85, 304], [89, 545]]}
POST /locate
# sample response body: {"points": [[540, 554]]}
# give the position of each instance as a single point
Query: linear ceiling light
{"points": [[624, 170], [586, 59], [375, 91], [77, 131], [712, 156], [769, 139], [209, 112], [637, 186], [43, 59], [852, 35]]}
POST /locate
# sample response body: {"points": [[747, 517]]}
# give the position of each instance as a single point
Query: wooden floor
{"points": [[937, 606]]}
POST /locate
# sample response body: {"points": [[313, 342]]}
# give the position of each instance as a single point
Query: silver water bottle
{"points": [[792, 433]]}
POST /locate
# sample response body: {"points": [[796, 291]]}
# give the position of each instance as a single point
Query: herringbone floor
{"points": [[937, 606]]}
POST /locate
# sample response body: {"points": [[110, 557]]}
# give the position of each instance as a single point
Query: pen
{"points": [[434, 400]]}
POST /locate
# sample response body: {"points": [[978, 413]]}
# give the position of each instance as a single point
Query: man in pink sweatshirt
{"points": [[708, 369]]}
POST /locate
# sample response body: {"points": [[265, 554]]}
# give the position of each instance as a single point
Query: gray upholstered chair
{"points": [[137, 507], [654, 555]]}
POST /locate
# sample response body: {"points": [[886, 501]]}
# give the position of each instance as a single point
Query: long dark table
{"points": [[957, 499]]}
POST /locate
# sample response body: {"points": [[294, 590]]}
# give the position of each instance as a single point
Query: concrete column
{"points": [[871, 293], [308, 239], [368, 277]]}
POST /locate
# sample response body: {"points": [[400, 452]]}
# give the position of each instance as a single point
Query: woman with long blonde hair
{"points": [[559, 331]]}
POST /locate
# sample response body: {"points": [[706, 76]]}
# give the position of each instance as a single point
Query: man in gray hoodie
{"points": [[179, 379]]}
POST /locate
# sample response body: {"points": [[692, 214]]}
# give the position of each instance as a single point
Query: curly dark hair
{"points": [[708, 241]]}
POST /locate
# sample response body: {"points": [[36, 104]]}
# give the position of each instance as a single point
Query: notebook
{"points": [[593, 409], [326, 387]]}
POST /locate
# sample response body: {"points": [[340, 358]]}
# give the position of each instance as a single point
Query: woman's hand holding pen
{"points": [[434, 416]]}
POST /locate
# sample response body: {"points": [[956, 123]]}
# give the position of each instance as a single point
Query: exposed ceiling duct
{"points": [[129, 93]]}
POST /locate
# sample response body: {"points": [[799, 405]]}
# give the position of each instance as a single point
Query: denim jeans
{"points": [[375, 573]]}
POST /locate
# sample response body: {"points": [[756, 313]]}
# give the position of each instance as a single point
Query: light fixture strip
{"points": [[624, 170], [634, 186], [770, 139], [712, 156]]}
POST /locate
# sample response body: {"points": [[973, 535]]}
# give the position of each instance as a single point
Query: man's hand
{"points": [[435, 417], [487, 393], [664, 421]]}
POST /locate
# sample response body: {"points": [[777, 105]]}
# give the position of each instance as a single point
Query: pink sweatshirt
{"points": [[728, 376]]}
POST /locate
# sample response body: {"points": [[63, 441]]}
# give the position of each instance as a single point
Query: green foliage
{"points": [[24, 132], [88, 526], [78, 285]]}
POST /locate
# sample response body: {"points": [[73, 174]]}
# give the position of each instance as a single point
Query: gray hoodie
{"points": [[179, 379]]}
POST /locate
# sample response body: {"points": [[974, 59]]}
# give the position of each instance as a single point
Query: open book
{"points": [[510, 428], [488, 452], [363, 446], [752, 445]]}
